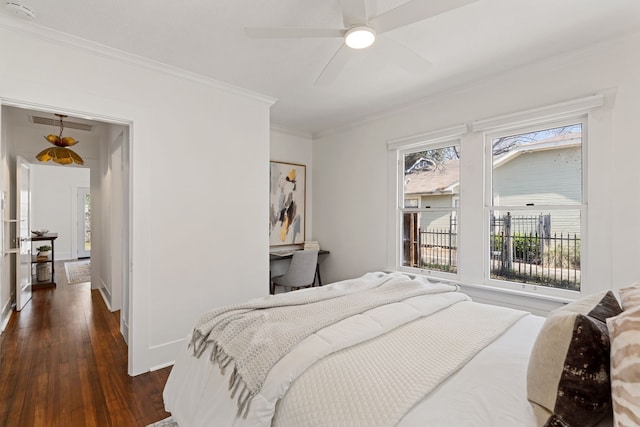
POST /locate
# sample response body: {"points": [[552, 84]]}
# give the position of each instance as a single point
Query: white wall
{"points": [[195, 219], [101, 242], [54, 192], [353, 208], [109, 220], [290, 146], [116, 217]]}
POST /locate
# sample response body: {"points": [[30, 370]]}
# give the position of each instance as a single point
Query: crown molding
{"points": [[48, 35], [291, 131]]}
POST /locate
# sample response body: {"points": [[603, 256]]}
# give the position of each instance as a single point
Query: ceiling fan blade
{"points": [[414, 11], [354, 12], [335, 65], [292, 32], [400, 55]]}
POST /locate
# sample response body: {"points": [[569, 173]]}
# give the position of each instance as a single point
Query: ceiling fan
{"points": [[361, 31]]}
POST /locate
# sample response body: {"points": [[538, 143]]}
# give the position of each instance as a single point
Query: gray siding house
{"points": [[525, 175]]}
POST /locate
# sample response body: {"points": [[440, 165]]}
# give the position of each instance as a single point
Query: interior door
{"points": [[23, 233], [84, 223]]}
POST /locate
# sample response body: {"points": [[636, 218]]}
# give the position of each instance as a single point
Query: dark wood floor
{"points": [[63, 362]]}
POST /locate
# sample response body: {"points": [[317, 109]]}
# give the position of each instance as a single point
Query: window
{"points": [[411, 202], [536, 205], [521, 194], [429, 203]]}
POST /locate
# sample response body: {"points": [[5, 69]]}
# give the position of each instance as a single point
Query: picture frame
{"points": [[287, 203]]}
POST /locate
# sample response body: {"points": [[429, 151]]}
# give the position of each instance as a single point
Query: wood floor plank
{"points": [[63, 362]]}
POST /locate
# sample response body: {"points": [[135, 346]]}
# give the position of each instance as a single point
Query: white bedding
{"points": [[489, 390], [301, 328]]}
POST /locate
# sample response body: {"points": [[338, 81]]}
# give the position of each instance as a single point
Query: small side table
{"points": [[50, 282]]}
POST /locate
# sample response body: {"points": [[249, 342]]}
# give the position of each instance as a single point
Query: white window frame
{"points": [[428, 141], [473, 244], [576, 111], [489, 203]]}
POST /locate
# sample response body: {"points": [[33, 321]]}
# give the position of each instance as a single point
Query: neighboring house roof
{"points": [[444, 179], [561, 141], [440, 180]]}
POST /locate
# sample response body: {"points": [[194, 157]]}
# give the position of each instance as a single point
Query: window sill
{"points": [[536, 303], [520, 293]]}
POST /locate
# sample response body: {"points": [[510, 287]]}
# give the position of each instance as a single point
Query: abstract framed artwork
{"points": [[287, 193]]}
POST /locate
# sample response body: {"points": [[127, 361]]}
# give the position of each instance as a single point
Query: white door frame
{"points": [[23, 233], [127, 242]]}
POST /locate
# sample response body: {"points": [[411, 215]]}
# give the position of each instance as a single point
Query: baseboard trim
{"points": [[5, 316], [64, 256], [163, 355], [106, 295], [164, 365], [124, 329]]}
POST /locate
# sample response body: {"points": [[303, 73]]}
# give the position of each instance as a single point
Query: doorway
{"points": [[22, 135]]}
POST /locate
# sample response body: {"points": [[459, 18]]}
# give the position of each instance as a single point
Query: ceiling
{"points": [[465, 44]]}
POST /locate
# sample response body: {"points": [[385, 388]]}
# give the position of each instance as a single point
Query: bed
{"points": [[427, 357]]}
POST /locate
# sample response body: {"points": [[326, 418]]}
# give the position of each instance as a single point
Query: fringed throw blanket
{"points": [[252, 337]]}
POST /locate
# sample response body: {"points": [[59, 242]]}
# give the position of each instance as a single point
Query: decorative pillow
{"points": [[630, 296], [568, 376], [624, 331]]}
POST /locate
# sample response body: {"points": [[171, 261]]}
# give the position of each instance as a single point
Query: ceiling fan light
{"points": [[359, 37]]}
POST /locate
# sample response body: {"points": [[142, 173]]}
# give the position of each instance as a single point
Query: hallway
{"points": [[63, 362]]}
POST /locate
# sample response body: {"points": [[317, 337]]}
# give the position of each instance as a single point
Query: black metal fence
{"points": [[522, 249], [439, 247]]}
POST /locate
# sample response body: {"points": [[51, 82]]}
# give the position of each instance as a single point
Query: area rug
{"points": [[78, 271], [167, 422]]}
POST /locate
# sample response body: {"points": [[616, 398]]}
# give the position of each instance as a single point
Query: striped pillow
{"points": [[568, 376], [624, 331], [630, 296]]}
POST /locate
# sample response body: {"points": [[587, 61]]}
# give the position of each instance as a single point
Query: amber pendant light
{"points": [[60, 152]]}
